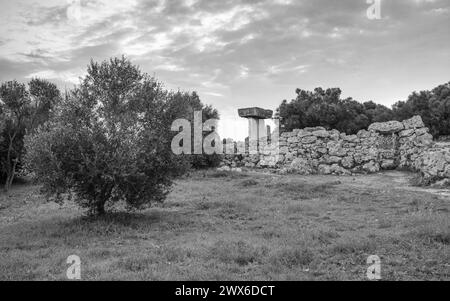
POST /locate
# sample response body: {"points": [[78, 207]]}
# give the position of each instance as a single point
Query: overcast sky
{"points": [[236, 53]]}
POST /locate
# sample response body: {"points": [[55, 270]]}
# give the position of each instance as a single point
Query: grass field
{"points": [[224, 226]]}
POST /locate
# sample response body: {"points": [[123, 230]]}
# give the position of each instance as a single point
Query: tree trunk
{"points": [[10, 176], [10, 168], [100, 210]]}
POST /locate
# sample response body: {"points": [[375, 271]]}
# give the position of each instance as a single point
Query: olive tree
{"points": [[109, 142]]}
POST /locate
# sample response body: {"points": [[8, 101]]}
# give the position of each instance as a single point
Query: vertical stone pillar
{"points": [[257, 130], [253, 135]]}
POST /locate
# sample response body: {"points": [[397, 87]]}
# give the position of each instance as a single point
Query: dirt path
{"points": [[402, 179]]}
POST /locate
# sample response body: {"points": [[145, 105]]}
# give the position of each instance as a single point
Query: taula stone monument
{"points": [[258, 132]]}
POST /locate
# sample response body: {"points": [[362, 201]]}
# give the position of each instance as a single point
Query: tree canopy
{"points": [[326, 108]]}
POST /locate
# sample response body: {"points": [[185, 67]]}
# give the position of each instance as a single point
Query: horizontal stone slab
{"points": [[387, 127], [257, 113]]}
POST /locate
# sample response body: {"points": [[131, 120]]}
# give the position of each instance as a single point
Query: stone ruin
{"points": [[383, 146]]}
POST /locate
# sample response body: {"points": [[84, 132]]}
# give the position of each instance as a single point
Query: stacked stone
{"points": [[434, 164], [269, 155], [383, 146], [316, 150], [415, 140]]}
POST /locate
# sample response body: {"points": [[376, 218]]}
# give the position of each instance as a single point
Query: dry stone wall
{"points": [[383, 146]]}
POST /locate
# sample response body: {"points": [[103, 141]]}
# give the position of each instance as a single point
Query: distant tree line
{"points": [[326, 108]]}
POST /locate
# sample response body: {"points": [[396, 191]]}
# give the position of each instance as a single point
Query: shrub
{"points": [[183, 106], [327, 108]]}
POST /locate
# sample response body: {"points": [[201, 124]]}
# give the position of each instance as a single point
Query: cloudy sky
{"points": [[235, 53]]}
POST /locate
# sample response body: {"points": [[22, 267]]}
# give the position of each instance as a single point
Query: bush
{"points": [[108, 142], [326, 108], [182, 106], [433, 106]]}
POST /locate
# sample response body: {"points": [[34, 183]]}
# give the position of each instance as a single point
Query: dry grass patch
{"points": [[236, 226]]}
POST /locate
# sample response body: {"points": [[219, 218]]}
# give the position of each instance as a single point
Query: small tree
{"points": [[110, 141], [22, 110], [15, 107], [183, 105]]}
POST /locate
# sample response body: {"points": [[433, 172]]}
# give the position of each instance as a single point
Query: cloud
{"points": [[66, 76], [235, 52]]}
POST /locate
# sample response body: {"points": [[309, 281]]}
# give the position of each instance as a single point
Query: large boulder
{"points": [[303, 133], [314, 129], [284, 150], [333, 159], [338, 170], [424, 140], [388, 164], [351, 138], [321, 134], [371, 167], [447, 170], [300, 166], [406, 133], [293, 140], [309, 140], [348, 162], [363, 134], [324, 169], [387, 127], [434, 164], [413, 123]]}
